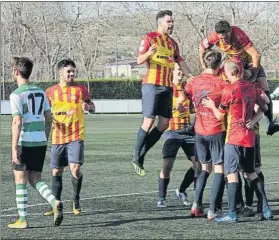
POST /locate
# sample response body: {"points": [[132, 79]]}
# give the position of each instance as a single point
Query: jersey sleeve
{"points": [[144, 45], [210, 40], [48, 95], [241, 37], [16, 105], [226, 99]]}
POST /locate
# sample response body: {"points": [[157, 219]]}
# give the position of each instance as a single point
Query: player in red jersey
{"points": [[210, 132], [159, 51], [233, 41], [238, 101], [68, 102]]}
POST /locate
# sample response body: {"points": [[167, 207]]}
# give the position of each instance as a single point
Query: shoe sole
{"points": [[58, 215], [18, 227]]}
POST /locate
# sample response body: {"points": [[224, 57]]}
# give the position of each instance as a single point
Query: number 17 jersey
{"points": [[30, 102]]}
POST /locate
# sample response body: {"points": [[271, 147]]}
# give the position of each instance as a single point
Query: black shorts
{"points": [[173, 141], [31, 158], [62, 154], [156, 101], [258, 156], [239, 158], [210, 148]]}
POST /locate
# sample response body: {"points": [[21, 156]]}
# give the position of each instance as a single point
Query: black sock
{"points": [[195, 182], [259, 197], [269, 113], [261, 176], [76, 187], [188, 179], [239, 195], [200, 185], [57, 187], [219, 200], [163, 185], [139, 143], [218, 177], [150, 141], [249, 193], [258, 185], [232, 189]]}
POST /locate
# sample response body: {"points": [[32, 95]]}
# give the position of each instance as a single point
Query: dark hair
{"points": [[222, 27], [24, 65], [66, 62], [212, 58], [161, 14]]}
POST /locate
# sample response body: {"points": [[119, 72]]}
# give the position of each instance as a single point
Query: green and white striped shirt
{"points": [[30, 102]]}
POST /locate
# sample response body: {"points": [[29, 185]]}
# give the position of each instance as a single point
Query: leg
{"points": [[75, 151], [149, 101]]}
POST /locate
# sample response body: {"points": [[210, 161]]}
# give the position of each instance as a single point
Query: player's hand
{"points": [[250, 124], [265, 98], [190, 78], [14, 157], [152, 50], [180, 108], [208, 102], [84, 106]]}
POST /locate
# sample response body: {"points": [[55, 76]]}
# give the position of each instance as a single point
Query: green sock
{"points": [[21, 201], [45, 192]]}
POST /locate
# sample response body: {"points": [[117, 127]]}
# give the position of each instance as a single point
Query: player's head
{"points": [[223, 30], [177, 74], [212, 59], [232, 70], [165, 21], [22, 68], [66, 69]]}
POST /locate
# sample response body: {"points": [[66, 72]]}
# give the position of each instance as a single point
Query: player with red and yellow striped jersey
{"points": [[68, 102], [180, 134], [159, 51]]}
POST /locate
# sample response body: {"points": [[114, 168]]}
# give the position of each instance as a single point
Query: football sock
{"points": [[200, 185], [76, 187], [218, 178], [139, 144], [57, 186], [21, 201], [232, 188], [163, 185], [188, 179], [45, 192]]}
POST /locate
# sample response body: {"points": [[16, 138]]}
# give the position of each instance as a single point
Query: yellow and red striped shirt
{"points": [[179, 120], [68, 116], [161, 64]]}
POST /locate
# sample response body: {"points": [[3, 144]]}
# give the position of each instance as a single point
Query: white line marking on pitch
{"points": [[107, 196]]}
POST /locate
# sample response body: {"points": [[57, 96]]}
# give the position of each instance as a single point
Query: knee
{"points": [[218, 168], [163, 126], [147, 124], [207, 167], [57, 172], [76, 172]]}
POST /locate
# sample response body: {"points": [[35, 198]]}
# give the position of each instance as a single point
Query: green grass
{"points": [[116, 203]]}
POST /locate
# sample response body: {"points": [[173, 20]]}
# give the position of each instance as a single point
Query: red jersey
{"points": [[161, 64], [68, 116], [238, 100], [206, 85]]}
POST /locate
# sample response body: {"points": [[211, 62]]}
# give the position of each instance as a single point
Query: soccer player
{"points": [[159, 51], [232, 41], [180, 134], [210, 132], [30, 130], [238, 100], [68, 102]]}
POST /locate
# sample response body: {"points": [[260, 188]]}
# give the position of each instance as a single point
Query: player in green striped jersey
{"points": [[31, 126]]}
